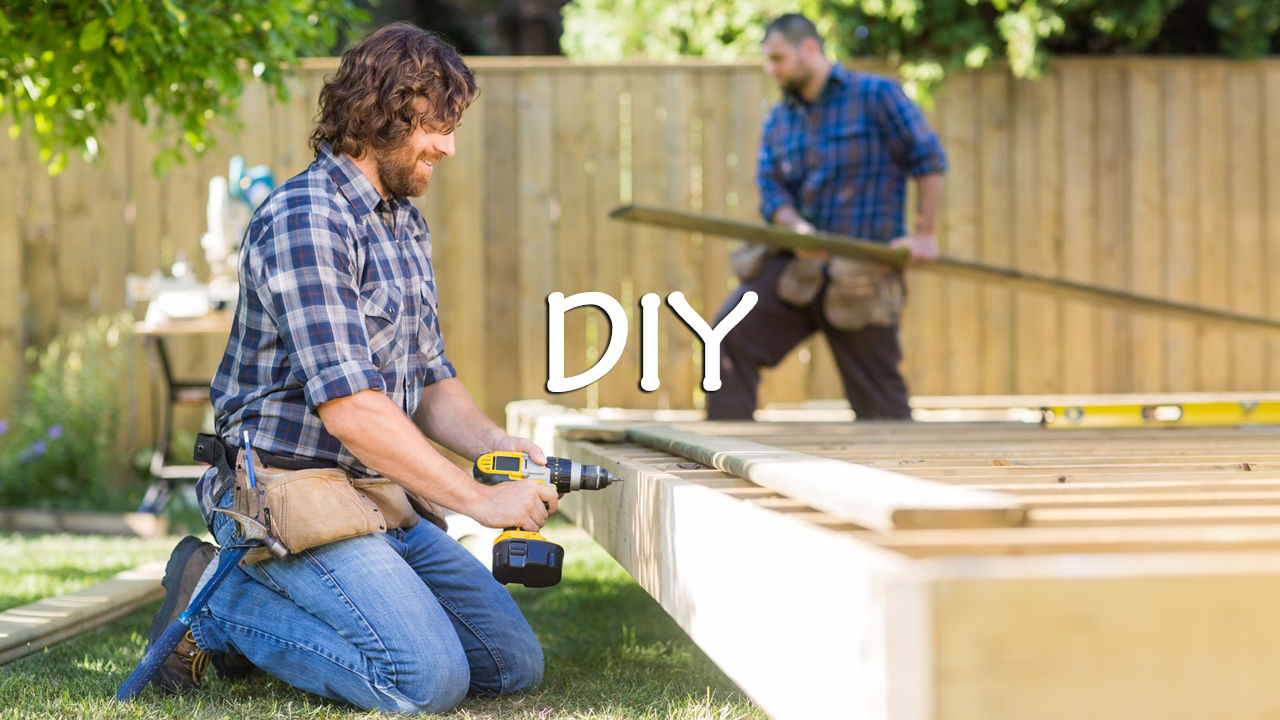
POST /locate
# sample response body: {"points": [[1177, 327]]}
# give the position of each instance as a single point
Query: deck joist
{"points": [[1112, 573]]}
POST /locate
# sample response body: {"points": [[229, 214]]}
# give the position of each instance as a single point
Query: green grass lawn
{"points": [[611, 651]]}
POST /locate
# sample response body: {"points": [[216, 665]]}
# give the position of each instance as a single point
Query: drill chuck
{"points": [[567, 475]]}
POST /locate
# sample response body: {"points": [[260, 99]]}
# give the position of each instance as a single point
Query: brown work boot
{"points": [[186, 665]]}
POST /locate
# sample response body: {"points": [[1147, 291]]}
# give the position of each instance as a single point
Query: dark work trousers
{"points": [[867, 359]]}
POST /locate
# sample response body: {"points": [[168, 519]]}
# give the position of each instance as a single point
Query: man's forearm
{"points": [[378, 432], [448, 415], [929, 203]]}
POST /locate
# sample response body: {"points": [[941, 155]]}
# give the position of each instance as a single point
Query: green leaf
{"points": [[125, 15], [93, 35]]}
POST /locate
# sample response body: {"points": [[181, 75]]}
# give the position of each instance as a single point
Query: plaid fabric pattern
{"points": [[337, 296], [843, 160]]}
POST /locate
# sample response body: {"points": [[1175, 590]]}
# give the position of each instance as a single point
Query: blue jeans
{"points": [[406, 621]]}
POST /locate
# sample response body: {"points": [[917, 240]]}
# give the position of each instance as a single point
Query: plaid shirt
{"points": [[843, 160], [337, 296]]}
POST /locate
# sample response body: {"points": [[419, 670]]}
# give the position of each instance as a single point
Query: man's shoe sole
{"points": [[172, 583]]}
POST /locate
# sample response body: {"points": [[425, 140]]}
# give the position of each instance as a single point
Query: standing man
{"points": [[835, 156], [335, 349]]}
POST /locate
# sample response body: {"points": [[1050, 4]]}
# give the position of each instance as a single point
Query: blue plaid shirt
{"points": [[842, 161], [337, 296]]}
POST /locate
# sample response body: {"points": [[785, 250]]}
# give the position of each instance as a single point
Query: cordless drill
{"points": [[521, 556]]}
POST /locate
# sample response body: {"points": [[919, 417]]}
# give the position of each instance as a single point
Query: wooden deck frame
{"points": [[815, 616]]}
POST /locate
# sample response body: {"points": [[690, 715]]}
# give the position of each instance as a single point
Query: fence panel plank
{"points": [[648, 178], [1037, 353], [459, 252], [1245, 257], [501, 238], [923, 332], [1271, 221], [536, 224], [1212, 148], [574, 175], [964, 299], [995, 241], [611, 127], [1115, 335], [680, 372], [1079, 209], [1145, 227], [1178, 206]]}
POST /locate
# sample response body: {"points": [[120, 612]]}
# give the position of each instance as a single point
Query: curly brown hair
{"points": [[369, 103]]}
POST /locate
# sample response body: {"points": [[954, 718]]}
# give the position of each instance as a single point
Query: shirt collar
{"points": [[839, 75], [352, 183]]}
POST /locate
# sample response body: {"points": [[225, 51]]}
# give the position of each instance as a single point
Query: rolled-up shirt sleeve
{"points": [[913, 143], [308, 289], [773, 193]]}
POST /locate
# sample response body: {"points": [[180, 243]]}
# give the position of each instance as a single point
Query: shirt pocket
{"points": [[430, 341], [849, 146], [381, 306]]}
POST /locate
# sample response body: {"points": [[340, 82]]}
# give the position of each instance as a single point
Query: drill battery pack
{"points": [[527, 558]]}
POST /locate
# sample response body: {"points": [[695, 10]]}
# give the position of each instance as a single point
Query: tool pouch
{"points": [[862, 294], [800, 281], [315, 506], [747, 261], [427, 509]]}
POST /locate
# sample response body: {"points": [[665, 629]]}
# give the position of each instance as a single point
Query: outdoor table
{"points": [[175, 391]]}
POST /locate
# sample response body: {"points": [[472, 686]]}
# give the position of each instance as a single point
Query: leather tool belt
{"points": [[305, 503]]}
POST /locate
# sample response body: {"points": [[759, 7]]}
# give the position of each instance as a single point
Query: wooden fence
{"points": [[1159, 176]]}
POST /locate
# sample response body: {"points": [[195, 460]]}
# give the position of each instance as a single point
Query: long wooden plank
{"points": [[973, 270], [33, 627], [870, 497], [1056, 540]]}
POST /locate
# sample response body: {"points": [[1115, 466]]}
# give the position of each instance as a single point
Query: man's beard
{"points": [[796, 83], [398, 173]]}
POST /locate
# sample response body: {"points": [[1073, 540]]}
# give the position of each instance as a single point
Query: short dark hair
{"points": [[794, 27], [369, 102]]}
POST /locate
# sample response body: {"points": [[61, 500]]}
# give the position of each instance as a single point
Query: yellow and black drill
{"points": [[524, 557]]}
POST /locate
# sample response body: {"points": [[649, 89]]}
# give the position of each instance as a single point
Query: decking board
{"points": [[1141, 584]]}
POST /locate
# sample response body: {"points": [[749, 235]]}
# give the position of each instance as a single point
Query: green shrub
{"points": [[60, 448]]}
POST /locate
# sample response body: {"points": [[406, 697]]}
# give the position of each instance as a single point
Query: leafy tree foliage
{"points": [[928, 38], [662, 29], [66, 65]]}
